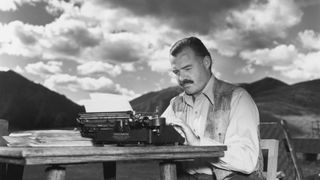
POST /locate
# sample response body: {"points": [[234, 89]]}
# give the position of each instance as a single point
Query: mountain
{"points": [[161, 99], [298, 103], [27, 105], [262, 86]]}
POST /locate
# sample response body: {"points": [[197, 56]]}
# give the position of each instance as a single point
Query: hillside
{"points": [[148, 102], [298, 103], [262, 86], [27, 105]]}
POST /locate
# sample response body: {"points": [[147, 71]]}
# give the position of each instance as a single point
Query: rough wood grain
{"points": [[168, 171], [56, 173], [69, 155]]}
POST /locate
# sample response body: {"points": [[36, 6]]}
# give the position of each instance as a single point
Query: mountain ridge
{"points": [[28, 105]]}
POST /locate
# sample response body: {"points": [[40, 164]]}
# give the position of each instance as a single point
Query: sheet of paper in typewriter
{"points": [[104, 102]]}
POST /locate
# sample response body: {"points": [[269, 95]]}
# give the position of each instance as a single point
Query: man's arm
{"points": [[180, 126]]}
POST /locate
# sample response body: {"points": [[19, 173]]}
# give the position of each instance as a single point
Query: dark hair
{"points": [[192, 42]]}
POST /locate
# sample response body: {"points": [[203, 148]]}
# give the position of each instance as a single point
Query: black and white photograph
{"points": [[160, 90]]}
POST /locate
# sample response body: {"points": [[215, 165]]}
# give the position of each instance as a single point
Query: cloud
{"points": [[309, 39], [17, 38], [159, 60], [128, 67], [120, 47], [257, 26], [86, 84], [271, 17], [248, 69], [287, 60], [281, 55], [98, 67], [65, 38], [43, 69], [8, 5], [191, 16], [306, 67], [4, 68]]}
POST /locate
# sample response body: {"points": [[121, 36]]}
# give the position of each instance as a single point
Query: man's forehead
{"points": [[186, 54]]}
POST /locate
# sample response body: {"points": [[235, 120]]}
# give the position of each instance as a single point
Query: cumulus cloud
{"points": [[272, 17], [159, 60], [86, 84], [248, 69], [17, 38], [4, 68], [281, 55], [98, 67], [193, 16], [257, 26], [310, 39], [306, 67], [121, 47], [287, 60], [8, 5], [65, 38], [43, 69]]}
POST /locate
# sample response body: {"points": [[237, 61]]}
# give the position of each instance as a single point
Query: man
{"points": [[213, 112]]}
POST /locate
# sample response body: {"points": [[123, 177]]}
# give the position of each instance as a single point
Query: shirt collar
{"points": [[207, 92]]}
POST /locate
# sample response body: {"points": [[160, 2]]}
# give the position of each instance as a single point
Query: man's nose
{"points": [[182, 76]]}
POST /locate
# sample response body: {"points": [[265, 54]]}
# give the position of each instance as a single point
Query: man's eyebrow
{"points": [[186, 66]]}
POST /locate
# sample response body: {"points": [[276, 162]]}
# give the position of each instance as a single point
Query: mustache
{"points": [[185, 81]]}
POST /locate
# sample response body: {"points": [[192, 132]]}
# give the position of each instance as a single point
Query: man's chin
{"points": [[188, 91]]}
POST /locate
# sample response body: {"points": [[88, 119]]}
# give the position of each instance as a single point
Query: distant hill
{"points": [[298, 103], [148, 102], [262, 86], [27, 105]]}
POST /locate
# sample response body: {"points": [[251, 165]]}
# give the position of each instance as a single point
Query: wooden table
{"points": [[57, 156]]}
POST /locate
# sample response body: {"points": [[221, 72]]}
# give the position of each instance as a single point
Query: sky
{"points": [[83, 47]]}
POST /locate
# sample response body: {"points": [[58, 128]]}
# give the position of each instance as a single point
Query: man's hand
{"points": [[191, 138]]}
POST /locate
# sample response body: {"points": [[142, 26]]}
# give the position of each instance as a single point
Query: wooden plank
{"points": [[92, 159], [110, 150], [71, 155]]}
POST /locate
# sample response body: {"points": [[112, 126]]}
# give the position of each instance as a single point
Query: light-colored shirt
{"points": [[241, 137]]}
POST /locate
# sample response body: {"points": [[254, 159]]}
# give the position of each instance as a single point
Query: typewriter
{"points": [[128, 128]]}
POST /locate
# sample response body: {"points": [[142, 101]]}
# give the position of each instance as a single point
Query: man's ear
{"points": [[207, 62]]}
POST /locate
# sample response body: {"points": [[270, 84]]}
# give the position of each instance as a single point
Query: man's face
{"points": [[192, 71]]}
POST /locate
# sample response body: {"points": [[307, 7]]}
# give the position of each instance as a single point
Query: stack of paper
{"points": [[47, 138]]}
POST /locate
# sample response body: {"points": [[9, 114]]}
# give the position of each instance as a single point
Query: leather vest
{"points": [[218, 122]]}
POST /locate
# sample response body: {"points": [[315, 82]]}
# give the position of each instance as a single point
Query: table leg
{"points": [[3, 171], [109, 170], [56, 173], [168, 171], [14, 172]]}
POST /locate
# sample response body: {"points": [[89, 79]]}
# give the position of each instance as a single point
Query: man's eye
{"points": [[175, 72]]}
